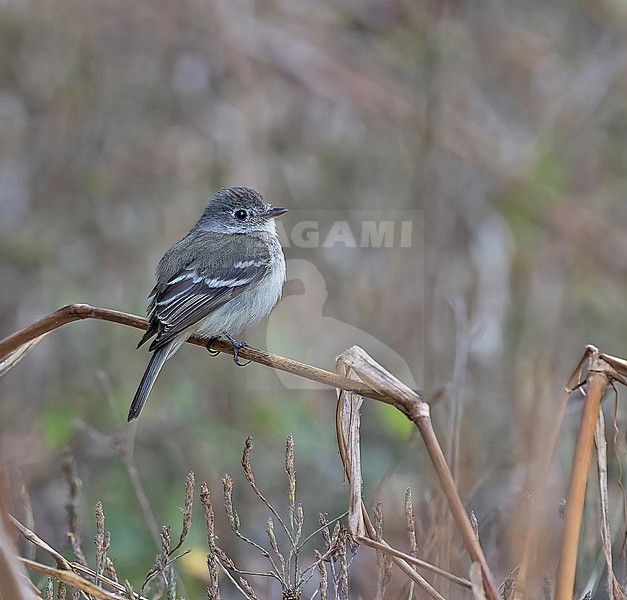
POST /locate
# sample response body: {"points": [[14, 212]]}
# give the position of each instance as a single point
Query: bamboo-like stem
{"points": [[539, 486], [597, 382]]}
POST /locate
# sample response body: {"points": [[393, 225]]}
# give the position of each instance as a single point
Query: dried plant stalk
{"points": [[290, 469], [396, 393], [600, 443], [14, 347], [101, 540], [73, 579], [598, 380], [13, 583], [384, 562], [410, 523], [190, 484], [347, 426]]}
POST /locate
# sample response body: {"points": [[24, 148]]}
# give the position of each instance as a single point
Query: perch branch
{"points": [[78, 312]]}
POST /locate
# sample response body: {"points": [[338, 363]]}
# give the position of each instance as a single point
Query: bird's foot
{"points": [[212, 352], [237, 346]]}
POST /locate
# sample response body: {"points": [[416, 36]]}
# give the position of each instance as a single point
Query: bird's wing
{"points": [[190, 296]]}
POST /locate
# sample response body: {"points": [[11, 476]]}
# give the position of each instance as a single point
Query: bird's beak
{"points": [[272, 213]]}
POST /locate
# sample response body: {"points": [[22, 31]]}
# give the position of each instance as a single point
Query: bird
{"points": [[224, 276]]}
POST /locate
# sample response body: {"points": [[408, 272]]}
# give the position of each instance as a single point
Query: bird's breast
{"points": [[250, 307]]}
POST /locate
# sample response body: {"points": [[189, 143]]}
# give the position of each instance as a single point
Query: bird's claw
{"points": [[237, 346], [211, 351]]}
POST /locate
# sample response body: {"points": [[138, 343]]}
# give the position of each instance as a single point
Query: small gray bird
{"points": [[224, 276]]}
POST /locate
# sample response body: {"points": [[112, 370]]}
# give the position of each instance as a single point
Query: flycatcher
{"points": [[225, 275]]}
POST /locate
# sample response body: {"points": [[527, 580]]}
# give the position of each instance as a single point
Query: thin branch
{"points": [[72, 579], [384, 547], [12, 345], [250, 478], [13, 580], [34, 539], [233, 519]]}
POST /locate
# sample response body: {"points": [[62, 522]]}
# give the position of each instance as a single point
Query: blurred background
{"points": [[497, 130]]}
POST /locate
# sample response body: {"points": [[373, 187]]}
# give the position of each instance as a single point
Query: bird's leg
{"points": [[212, 352], [237, 346]]}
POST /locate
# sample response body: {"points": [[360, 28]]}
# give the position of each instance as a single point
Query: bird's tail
{"points": [[157, 359]]}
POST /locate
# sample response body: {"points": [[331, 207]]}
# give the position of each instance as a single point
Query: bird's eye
{"points": [[240, 214]]}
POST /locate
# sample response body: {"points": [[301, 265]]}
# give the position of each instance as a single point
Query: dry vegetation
{"points": [[496, 129], [358, 375]]}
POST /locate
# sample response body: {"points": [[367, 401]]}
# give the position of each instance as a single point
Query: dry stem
{"points": [[407, 401], [598, 380], [21, 341]]}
